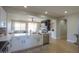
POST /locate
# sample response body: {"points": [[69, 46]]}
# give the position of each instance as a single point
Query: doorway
{"points": [[63, 29]]}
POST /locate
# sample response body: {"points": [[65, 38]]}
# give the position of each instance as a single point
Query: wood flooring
{"points": [[56, 46]]}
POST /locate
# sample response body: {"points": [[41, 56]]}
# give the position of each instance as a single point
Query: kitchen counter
{"points": [[5, 38], [22, 41]]}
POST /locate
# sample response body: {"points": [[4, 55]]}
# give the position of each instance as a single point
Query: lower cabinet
{"points": [[45, 39]]}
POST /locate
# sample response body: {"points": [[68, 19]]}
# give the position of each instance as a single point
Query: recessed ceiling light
{"points": [[65, 12], [46, 12], [25, 6]]}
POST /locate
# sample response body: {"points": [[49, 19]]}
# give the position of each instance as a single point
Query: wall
{"points": [[61, 28], [9, 29], [72, 27], [53, 26], [57, 29], [2, 17]]}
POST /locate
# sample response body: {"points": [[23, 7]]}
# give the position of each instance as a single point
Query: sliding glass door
{"points": [[32, 27]]}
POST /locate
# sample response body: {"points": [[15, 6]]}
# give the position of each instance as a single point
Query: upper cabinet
{"points": [[2, 17]]}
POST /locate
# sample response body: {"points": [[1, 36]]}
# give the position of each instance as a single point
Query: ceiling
{"points": [[56, 11]]}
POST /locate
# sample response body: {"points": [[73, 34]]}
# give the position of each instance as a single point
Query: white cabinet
{"points": [[2, 17]]}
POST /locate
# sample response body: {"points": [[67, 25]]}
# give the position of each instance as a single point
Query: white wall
{"points": [[72, 27], [2, 17], [9, 25], [53, 26], [57, 29]]}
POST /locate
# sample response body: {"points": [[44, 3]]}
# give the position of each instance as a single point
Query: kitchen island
{"points": [[21, 41]]}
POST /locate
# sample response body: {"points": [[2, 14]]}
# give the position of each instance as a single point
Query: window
{"points": [[32, 27], [19, 26]]}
